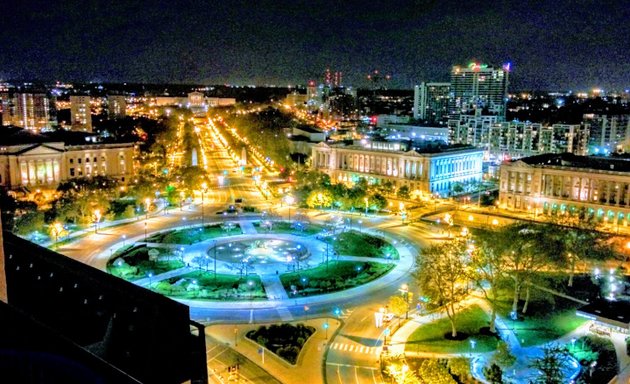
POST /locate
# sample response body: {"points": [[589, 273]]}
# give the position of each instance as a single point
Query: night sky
{"points": [[553, 45]]}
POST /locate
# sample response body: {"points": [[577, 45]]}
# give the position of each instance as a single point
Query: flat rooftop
{"points": [[570, 160], [616, 312]]}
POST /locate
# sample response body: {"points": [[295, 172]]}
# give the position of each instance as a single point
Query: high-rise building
{"points": [[80, 113], [26, 110], [430, 102], [607, 133], [479, 89], [116, 106]]}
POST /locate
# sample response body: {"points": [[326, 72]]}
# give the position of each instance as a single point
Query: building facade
{"points": [[116, 107], [428, 173], [478, 89], [26, 110], [607, 133], [431, 101], [45, 165], [587, 187], [80, 113]]}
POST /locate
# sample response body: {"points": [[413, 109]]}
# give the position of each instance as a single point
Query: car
{"points": [[238, 201]]}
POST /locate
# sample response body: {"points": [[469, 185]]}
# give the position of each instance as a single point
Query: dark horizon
{"points": [[552, 45]]}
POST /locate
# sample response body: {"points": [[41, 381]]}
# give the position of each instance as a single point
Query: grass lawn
{"points": [[430, 337], [202, 285], [285, 340], [192, 235], [132, 262], [547, 318], [353, 243], [291, 228], [339, 275]]}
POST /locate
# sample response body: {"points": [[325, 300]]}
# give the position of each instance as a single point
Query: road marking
{"points": [[339, 375], [217, 355], [362, 348], [251, 316], [374, 377], [356, 375], [285, 314], [351, 348], [352, 366], [345, 347]]}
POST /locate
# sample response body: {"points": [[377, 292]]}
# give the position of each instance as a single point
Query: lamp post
{"points": [[145, 231], [289, 200], [147, 205], [56, 229], [124, 237], [366, 205], [150, 280], [360, 225], [215, 260], [404, 289], [204, 189], [97, 218]]}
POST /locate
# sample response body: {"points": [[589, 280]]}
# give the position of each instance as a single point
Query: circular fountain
{"points": [[259, 251]]}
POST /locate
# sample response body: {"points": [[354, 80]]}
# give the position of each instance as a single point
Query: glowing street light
{"points": [[57, 228], [97, 218], [204, 189], [289, 200]]}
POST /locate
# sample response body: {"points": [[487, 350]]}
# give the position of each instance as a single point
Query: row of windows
{"points": [[87, 160]]}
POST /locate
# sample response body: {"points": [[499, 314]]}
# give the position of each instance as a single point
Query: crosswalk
{"points": [[344, 347]]}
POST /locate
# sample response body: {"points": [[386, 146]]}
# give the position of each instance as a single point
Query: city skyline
{"points": [[551, 45]]}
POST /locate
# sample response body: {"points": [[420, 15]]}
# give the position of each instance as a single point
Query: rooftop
{"points": [[10, 135], [615, 311], [575, 161]]}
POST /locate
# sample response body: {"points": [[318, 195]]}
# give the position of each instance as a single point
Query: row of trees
{"points": [[316, 190], [512, 255]]}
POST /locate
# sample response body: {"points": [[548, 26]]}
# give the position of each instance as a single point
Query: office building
{"points": [[30, 160], [377, 161], [596, 188], [26, 110], [478, 89], [116, 106], [80, 113], [430, 102]]}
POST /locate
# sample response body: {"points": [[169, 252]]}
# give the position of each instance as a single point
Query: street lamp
{"points": [[404, 289], [289, 200], [56, 229], [366, 205], [97, 218], [123, 238], [360, 224], [145, 231], [150, 280], [147, 204], [204, 189]]}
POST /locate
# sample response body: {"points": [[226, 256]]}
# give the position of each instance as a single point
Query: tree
{"points": [[460, 368], [319, 198], [28, 222], [551, 364], [378, 201], [493, 373], [503, 356], [398, 306], [525, 255], [403, 192], [442, 275], [489, 267], [435, 372]]}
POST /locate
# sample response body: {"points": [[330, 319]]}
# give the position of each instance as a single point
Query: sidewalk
{"points": [[310, 361]]}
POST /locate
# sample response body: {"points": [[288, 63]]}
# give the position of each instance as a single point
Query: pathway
{"points": [[163, 276], [273, 287], [248, 228]]}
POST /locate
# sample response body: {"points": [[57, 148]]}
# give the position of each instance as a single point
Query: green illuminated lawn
{"points": [[202, 285], [430, 337], [338, 276], [192, 235]]}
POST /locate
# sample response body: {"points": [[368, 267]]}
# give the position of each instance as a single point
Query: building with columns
{"points": [[40, 161], [583, 186], [428, 173]]}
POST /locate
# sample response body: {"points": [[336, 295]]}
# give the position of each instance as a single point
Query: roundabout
{"points": [[275, 274]]}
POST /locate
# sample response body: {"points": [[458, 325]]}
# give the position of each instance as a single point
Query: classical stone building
{"points": [[428, 173], [591, 187], [28, 160]]}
